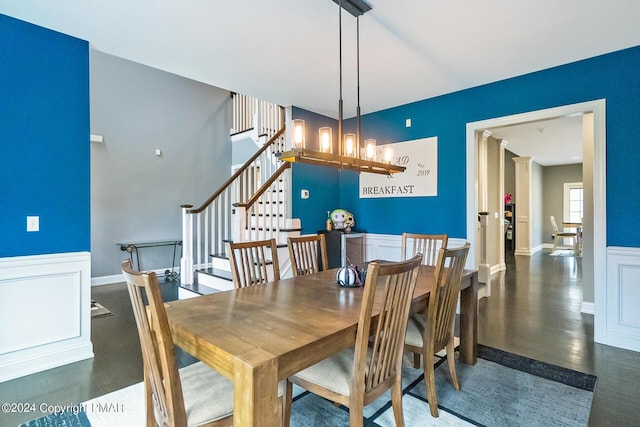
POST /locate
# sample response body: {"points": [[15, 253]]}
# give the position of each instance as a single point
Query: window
{"points": [[573, 202]]}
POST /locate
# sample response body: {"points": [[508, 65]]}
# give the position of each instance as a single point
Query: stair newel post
{"points": [[186, 262], [239, 224]]}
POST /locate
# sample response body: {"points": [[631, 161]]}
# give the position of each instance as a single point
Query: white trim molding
{"points": [[588, 307], [623, 297], [598, 108], [47, 302]]}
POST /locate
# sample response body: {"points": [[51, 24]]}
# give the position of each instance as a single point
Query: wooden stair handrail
{"points": [[265, 186], [244, 167]]}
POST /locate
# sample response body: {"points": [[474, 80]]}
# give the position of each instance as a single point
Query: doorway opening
{"points": [[594, 178]]}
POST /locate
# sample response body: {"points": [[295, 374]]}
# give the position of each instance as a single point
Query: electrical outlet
{"points": [[33, 223]]}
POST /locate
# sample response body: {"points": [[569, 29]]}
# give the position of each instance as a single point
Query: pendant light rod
{"points": [[340, 61], [354, 7], [358, 121], [342, 160]]}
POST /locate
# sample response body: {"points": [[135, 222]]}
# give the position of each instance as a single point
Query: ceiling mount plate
{"points": [[354, 7]]}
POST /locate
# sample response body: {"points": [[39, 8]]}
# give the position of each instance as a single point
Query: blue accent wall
{"points": [[614, 77], [44, 140]]}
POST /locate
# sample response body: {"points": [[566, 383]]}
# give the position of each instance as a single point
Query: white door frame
{"points": [[598, 108]]}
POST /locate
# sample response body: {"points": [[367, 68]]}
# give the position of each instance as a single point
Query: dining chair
{"points": [[433, 331], [308, 254], [357, 376], [557, 235], [253, 263], [426, 244], [201, 396]]}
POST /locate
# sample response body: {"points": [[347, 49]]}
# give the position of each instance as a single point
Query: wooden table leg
{"points": [[256, 391], [469, 322]]}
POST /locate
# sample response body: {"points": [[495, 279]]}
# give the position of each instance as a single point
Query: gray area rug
{"points": [[502, 389], [562, 252], [98, 310]]}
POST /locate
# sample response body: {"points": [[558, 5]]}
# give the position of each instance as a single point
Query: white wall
{"points": [[136, 195]]}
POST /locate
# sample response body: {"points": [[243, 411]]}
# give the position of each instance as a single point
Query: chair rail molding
{"points": [[47, 301]]}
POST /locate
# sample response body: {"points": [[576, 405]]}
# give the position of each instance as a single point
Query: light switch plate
{"points": [[33, 223]]}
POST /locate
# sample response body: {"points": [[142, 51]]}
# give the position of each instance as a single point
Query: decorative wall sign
{"points": [[420, 179]]}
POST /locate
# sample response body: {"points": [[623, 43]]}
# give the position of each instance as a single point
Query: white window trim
{"points": [[565, 197]]}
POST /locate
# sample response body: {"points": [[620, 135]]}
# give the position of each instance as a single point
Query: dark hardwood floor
{"points": [[534, 311]]}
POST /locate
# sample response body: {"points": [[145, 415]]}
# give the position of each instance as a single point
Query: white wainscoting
{"points": [[389, 247], [45, 312], [623, 298]]}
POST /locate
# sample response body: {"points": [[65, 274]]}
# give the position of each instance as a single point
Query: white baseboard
{"points": [[588, 308], [107, 280], [498, 268], [119, 278], [484, 291], [537, 248]]}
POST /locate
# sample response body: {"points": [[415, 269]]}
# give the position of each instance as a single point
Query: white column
{"points": [[484, 269], [523, 203]]}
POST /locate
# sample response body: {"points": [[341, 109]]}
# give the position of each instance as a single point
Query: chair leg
{"points": [[396, 402], [356, 417], [555, 242], [416, 360], [287, 404], [430, 383], [451, 359]]}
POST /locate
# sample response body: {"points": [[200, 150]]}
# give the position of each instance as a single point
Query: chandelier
{"points": [[350, 154]]}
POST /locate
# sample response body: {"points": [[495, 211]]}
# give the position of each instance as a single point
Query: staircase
{"points": [[253, 204]]}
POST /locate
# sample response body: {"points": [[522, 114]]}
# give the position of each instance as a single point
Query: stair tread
{"points": [[216, 272], [199, 289]]}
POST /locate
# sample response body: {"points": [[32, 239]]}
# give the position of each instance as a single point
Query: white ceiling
{"points": [[286, 51], [550, 142]]}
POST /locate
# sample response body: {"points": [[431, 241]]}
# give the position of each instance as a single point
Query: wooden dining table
{"points": [[260, 335], [578, 226]]}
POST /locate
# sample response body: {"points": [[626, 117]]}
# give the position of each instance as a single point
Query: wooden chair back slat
{"points": [[426, 244], [160, 366], [441, 312], [386, 340], [253, 263], [308, 254]]}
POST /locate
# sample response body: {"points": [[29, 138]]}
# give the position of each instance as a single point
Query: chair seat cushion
{"points": [[332, 373], [415, 329], [208, 396]]}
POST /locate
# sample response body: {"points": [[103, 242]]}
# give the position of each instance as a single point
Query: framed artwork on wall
{"points": [[420, 179]]}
